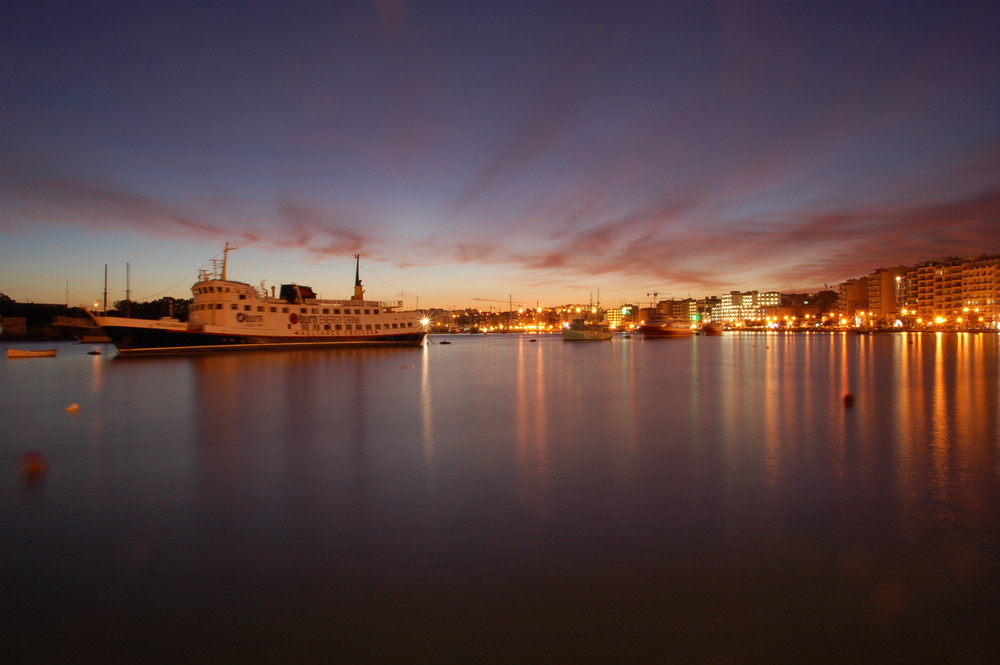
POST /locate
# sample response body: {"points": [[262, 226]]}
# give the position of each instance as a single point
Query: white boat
{"points": [[227, 315], [31, 353], [580, 330]]}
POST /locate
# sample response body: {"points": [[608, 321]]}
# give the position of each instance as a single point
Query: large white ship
{"points": [[226, 315]]}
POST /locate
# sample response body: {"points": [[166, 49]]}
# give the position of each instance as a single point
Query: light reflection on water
{"points": [[501, 499]]}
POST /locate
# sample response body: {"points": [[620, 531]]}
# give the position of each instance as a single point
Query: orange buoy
{"points": [[34, 462], [73, 408]]}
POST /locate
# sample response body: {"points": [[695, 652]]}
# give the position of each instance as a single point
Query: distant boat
{"points": [[27, 353], [226, 315], [581, 330], [664, 327], [711, 329]]}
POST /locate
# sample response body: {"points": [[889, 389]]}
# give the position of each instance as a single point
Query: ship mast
{"points": [[359, 292], [225, 258]]}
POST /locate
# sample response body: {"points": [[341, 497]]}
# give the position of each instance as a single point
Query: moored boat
{"points": [[227, 315], [31, 353], [663, 327], [711, 329], [580, 330]]}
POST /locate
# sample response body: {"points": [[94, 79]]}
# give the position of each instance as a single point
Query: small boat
{"points": [[581, 330], [664, 327], [29, 353], [711, 329]]}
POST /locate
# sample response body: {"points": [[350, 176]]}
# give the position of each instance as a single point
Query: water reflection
{"points": [[532, 426], [673, 497]]}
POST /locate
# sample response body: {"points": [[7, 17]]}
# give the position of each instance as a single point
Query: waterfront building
{"points": [[621, 317], [852, 298], [685, 309], [708, 309], [884, 289], [13, 326], [934, 290], [981, 290], [742, 306]]}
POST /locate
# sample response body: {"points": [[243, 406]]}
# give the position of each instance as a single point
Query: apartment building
{"points": [[885, 287], [852, 297], [745, 305]]}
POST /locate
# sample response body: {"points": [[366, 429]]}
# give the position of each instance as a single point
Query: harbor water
{"points": [[507, 499]]}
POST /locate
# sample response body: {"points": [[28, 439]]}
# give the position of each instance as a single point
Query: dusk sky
{"points": [[474, 152]]}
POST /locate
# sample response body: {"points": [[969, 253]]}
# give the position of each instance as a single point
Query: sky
{"points": [[476, 153]]}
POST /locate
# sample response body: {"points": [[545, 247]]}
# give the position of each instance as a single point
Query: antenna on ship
{"points": [[359, 292]]}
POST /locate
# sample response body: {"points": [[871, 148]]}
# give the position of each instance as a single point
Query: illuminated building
{"points": [[852, 297], [745, 305], [885, 287]]}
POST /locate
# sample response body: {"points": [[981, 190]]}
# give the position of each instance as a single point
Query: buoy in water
{"points": [[73, 408], [849, 399], [34, 462]]}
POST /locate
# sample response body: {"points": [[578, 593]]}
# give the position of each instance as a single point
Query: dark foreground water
{"points": [[504, 500]]}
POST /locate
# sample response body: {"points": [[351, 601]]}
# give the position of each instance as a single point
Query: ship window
{"points": [[338, 327], [368, 326], [234, 306], [246, 308], [378, 326], [274, 309], [218, 305], [243, 296], [326, 326], [260, 308], [367, 312], [357, 327], [376, 311], [357, 311], [336, 311], [326, 311], [284, 310], [395, 326], [303, 310]]}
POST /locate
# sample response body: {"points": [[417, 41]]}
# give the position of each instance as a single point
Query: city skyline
{"points": [[537, 152]]}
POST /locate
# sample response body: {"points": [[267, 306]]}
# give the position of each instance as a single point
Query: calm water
{"points": [[502, 500]]}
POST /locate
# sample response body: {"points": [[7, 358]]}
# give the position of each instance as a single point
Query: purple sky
{"points": [[475, 152]]}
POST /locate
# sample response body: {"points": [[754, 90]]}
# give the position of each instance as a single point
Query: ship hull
{"points": [[587, 335], [135, 338], [665, 332]]}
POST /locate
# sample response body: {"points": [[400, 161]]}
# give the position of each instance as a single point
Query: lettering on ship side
{"points": [[249, 318], [331, 319]]}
